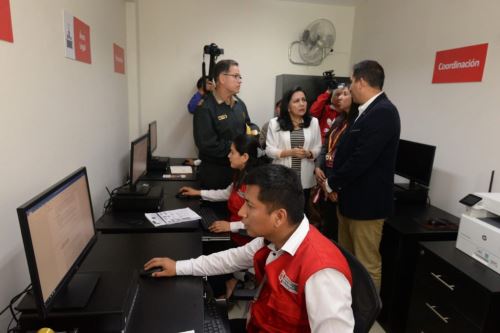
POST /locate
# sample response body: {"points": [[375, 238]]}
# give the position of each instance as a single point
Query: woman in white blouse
{"points": [[294, 138], [243, 156]]}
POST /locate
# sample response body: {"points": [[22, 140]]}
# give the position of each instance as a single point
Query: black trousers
{"points": [[330, 219]]}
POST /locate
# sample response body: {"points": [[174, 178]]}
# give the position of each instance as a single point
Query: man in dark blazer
{"points": [[363, 168]]}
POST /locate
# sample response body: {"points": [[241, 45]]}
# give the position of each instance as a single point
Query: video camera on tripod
{"points": [[329, 77], [213, 51]]}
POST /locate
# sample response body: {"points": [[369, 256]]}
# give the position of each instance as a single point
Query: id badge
{"points": [[329, 160]]}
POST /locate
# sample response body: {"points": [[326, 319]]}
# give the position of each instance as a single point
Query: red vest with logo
{"points": [[234, 203], [281, 305]]}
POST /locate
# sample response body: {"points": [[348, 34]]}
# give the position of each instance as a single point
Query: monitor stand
{"points": [[157, 163], [411, 193], [108, 310], [77, 293]]}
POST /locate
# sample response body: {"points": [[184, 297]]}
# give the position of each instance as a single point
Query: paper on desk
{"points": [[178, 169], [172, 217]]}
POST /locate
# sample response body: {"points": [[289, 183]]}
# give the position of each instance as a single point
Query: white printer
{"points": [[479, 230]]}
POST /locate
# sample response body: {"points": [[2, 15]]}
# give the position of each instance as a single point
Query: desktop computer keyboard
{"points": [[208, 216], [215, 319]]}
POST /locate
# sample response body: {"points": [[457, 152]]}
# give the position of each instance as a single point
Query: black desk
{"points": [[163, 305], [399, 250], [119, 222], [158, 175], [130, 222], [453, 292]]}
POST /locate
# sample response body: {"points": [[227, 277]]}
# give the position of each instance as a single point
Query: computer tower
{"points": [[150, 202], [108, 310]]}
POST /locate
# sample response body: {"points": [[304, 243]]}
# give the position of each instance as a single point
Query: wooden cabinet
{"points": [[453, 293]]}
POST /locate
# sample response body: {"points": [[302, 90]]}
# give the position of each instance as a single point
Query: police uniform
{"points": [[215, 124]]}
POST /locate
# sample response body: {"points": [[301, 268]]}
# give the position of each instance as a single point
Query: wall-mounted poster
{"points": [[464, 64], [119, 59], [76, 39], [5, 22]]}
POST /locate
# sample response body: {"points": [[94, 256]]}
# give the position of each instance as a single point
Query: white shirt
{"points": [[362, 108], [222, 195], [278, 140], [327, 292]]}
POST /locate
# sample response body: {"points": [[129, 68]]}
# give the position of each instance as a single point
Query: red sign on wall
{"points": [[465, 64], [76, 39], [5, 21], [119, 59], [82, 41]]}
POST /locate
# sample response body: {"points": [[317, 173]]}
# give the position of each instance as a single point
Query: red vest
{"points": [[234, 203], [281, 305]]}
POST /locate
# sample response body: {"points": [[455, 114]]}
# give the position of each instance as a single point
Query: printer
{"points": [[479, 230]]}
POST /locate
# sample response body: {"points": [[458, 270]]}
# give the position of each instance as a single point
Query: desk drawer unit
{"points": [[446, 298]]}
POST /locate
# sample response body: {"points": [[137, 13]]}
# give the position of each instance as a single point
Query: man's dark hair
{"points": [[199, 83], [222, 67], [371, 72], [279, 187], [284, 119]]}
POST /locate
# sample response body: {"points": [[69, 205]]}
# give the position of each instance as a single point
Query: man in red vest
{"points": [[304, 280]]}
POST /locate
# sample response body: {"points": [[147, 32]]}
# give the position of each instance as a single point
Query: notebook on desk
{"points": [[180, 172]]}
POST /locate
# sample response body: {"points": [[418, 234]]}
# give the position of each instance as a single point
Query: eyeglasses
{"points": [[236, 76]]}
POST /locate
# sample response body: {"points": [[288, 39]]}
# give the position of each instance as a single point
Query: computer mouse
{"points": [[435, 222], [149, 272], [181, 195]]}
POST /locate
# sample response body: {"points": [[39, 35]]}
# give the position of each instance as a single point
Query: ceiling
{"points": [[350, 3]]}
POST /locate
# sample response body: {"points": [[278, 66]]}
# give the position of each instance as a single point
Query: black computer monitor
{"points": [[57, 228], [138, 163], [153, 137], [155, 163], [414, 161]]}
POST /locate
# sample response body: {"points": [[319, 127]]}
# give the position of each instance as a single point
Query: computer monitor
{"points": [[138, 164], [57, 228], [155, 163], [153, 137], [414, 161]]}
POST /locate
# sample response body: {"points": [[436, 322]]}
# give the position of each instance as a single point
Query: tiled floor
{"points": [[376, 328]]}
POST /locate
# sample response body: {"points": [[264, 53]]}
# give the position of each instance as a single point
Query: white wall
{"points": [[57, 115], [255, 33], [461, 119]]}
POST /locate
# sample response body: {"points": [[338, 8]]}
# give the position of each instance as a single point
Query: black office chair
{"points": [[366, 302]]}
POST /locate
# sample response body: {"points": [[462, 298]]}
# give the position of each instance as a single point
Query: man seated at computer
{"points": [[305, 281]]}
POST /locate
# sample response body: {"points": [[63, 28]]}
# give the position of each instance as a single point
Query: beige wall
{"points": [[57, 115], [255, 33], [461, 119]]}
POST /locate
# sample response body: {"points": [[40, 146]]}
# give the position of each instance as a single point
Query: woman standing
{"points": [[348, 111], [294, 139]]}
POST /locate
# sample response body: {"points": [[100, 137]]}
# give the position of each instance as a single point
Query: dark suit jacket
{"points": [[363, 169]]}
